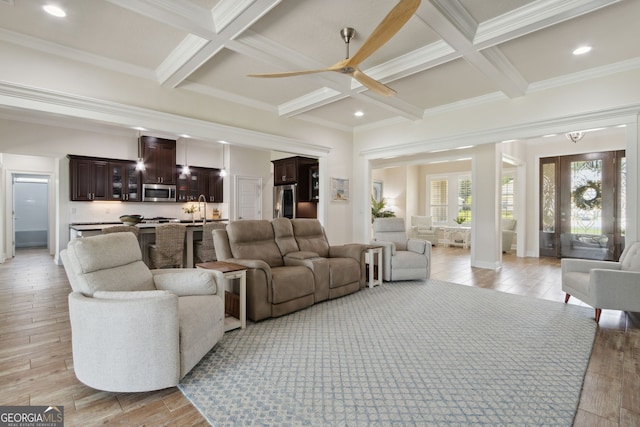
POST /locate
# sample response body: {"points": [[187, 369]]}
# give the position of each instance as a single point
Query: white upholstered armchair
{"points": [[508, 233], [605, 284], [404, 259], [422, 227], [135, 329]]}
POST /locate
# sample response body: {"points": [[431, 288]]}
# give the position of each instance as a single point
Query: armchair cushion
{"points": [[108, 262], [130, 295]]}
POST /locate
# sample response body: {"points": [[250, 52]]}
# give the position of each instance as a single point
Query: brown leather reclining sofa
{"points": [[290, 264]]}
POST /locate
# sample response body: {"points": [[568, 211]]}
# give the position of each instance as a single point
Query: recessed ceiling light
{"points": [[582, 50], [54, 10], [358, 114]]}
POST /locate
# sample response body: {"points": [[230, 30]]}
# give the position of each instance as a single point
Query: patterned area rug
{"points": [[404, 353]]}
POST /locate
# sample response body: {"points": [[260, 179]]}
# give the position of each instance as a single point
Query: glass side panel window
{"points": [[464, 200]]}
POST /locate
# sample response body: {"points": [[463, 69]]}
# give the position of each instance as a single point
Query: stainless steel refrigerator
{"points": [[284, 201]]}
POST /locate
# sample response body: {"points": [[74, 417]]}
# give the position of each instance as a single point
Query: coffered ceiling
{"points": [[450, 54]]}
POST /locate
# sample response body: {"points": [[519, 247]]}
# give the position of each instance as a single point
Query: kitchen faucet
{"points": [[202, 198]]}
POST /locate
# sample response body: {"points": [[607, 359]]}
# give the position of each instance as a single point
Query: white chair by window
{"points": [[605, 284], [422, 227], [508, 233]]}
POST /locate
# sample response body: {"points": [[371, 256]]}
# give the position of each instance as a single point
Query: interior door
{"points": [[249, 198], [581, 206]]}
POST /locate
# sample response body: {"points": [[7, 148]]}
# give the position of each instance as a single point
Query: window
{"points": [[449, 198], [438, 206]]}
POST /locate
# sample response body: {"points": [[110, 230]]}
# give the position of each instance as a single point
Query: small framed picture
{"points": [[339, 190], [377, 191]]}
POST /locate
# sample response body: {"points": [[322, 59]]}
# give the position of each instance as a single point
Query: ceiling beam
{"points": [[494, 65]]}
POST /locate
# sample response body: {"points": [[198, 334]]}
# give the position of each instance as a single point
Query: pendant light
{"points": [[223, 171], [140, 162], [185, 168]]}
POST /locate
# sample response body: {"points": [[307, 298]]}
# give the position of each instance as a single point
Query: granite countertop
{"points": [[87, 226]]}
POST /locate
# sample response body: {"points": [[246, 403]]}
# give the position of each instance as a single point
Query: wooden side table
{"points": [[371, 251], [232, 271]]}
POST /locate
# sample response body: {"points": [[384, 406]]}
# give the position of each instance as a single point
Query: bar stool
{"points": [[121, 229], [168, 250], [204, 250]]}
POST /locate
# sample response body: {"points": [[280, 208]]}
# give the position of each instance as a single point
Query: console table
{"points": [[456, 236], [374, 280]]}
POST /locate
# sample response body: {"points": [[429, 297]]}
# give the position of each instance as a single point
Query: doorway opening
{"points": [[30, 211]]}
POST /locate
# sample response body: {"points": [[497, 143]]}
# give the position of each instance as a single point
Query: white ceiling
{"points": [[451, 52]]}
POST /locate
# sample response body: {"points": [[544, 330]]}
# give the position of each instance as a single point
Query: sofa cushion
{"points": [[285, 239], [254, 239], [310, 236]]}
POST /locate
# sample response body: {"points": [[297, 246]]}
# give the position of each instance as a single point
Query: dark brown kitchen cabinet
{"points": [[205, 181], [125, 181], [89, 178], [159, 156], [314, 184], [215, 182], [190, 185], [285, 171], [297, 170]]}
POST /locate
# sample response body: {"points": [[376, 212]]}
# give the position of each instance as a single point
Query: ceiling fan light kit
{"points": [[386, 29]]}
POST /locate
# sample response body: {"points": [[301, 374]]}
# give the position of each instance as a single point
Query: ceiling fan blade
{"points": [[291, 73], [390, 25], [372, 84]]}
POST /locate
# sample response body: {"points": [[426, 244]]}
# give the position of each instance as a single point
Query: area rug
{"points": [[404, 353]]}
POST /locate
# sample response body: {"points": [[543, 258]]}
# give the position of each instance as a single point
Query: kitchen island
{"points": [[146, 235]]}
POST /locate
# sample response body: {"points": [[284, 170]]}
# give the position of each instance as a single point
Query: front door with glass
{"points": [[581, 204]]}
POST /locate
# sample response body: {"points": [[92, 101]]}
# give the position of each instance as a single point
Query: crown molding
{"points": [[54, 49], [106, 112], [532, 17], [605, 117]]}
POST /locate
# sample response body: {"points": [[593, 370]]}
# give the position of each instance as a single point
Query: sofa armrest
{"points": [[417, 245], [350, 250], [615, 289], [186, 281], [102, 327]]}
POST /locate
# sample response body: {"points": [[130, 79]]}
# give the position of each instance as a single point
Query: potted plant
{"points": [[191, 209], [379, 209], [459, 220]]}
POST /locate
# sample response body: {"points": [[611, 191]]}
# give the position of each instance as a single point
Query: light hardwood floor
{"points": [[36, 366]]}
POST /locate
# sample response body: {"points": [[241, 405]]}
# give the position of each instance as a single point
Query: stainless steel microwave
{"points": [[158, 193]]}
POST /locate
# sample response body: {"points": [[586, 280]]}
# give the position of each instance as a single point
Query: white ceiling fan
{"points": [[387, 28]]}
